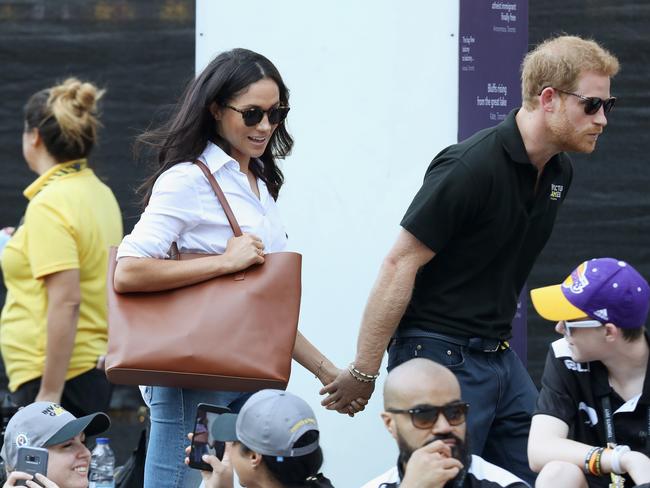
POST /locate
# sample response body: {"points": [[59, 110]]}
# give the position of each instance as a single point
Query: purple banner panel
{"points": [[492, 43]]}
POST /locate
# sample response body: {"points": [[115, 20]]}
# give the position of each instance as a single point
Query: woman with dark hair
{"points": [[275, 444], [53, 323], [231, 117]]}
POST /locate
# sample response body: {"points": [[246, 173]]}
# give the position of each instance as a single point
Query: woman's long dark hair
{"points": [[299, 471], [185, 135]]}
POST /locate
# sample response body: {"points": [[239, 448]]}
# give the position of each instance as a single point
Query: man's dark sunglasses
{"points": [[254, 115], [593, 104], [426, 417]]}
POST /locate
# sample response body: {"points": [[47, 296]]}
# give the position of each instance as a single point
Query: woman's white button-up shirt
{"points": [[184, 209]]}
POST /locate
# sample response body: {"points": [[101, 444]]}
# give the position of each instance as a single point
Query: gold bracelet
{"points": [[351, 370], [371, 377], [319, 368]]}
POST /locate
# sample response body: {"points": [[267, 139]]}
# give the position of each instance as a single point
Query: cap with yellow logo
{"points": [[44, 424], [270, 423], [604, 289]]}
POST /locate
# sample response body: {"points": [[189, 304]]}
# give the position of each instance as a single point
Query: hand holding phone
{"points": [[202, 440], [31, 460]]}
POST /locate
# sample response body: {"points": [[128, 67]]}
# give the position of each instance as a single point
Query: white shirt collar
{"points": [[216, 158]]}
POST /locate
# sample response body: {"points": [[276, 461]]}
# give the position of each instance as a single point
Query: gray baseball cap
{"points": [[44, 424], [269, 423]]}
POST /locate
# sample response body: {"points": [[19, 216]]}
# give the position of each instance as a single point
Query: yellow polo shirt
{"points": [[71, 220]]}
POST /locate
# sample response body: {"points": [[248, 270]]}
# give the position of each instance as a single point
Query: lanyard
{"points": [[609, 423]]}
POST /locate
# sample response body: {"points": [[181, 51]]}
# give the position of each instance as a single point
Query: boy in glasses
{"points": [[592, 423], [448, 288], [424, 413]]}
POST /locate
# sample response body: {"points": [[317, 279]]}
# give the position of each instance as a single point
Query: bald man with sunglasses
{"points": [[425, 414], [592, 423]]}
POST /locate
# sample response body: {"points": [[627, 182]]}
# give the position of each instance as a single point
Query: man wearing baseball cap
{"points": [[591, 427], [48, 425], [275, 443]]}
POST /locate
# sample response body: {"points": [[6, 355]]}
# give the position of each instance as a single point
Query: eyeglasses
{"points": [[426, 417], [593, 104], [254, 115], [580, 324]]}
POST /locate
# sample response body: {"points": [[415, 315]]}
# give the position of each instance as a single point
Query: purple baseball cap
{"points": [[604, 289]]}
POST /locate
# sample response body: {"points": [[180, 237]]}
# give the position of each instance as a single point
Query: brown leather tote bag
{"points": [[233, 332]]}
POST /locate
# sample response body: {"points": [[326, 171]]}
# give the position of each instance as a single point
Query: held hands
{"points": [[244, 251], [19, 475], [221, 475], [431, 466], [345, 394]]}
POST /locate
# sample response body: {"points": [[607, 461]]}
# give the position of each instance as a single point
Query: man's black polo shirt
{"points": [[573, 393], [479, 212]]}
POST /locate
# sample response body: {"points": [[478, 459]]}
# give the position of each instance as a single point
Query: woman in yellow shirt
{"points": [[53, 325]]}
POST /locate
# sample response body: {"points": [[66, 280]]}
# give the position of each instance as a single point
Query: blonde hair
{"points": [[66, 117], [558, 62]]}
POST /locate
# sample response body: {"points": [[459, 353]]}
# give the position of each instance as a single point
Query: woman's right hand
{"points": [[15, 476], [244, 251], [221, 475]]}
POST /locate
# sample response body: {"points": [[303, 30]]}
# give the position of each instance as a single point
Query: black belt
{"points": [[482, 344]]}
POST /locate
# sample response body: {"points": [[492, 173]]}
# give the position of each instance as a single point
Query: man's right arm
{"points": [[386, 305]]}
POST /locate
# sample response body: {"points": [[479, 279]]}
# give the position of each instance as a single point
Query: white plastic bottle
{"points": [[102, 465]]}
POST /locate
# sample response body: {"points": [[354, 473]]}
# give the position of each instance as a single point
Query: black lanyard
{"points": [[609, 424]]}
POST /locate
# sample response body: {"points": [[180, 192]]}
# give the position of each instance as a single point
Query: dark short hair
{"points": [[631, 335], [293, 472]]}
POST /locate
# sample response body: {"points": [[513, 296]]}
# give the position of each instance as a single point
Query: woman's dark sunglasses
{"points": [[426, 417], [254, 115], [593, 104]]}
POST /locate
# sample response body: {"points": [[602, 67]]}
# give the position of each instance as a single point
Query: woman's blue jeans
{"points": [[172, 412]]}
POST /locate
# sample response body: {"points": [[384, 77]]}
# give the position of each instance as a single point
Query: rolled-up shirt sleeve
{"points": [[174, 208]]}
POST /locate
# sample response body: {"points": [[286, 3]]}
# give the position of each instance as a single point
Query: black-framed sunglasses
{"points": [[254, 115], [426, 417], [593, 104]]}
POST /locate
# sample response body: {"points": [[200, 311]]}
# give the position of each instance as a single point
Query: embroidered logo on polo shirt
{"points": [[556, 192]]}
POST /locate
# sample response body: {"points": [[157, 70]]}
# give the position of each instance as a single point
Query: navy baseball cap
{"points": [[605, 289]]}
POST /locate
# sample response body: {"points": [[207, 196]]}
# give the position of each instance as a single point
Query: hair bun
{"points": [[73, 104], [73, 93]]}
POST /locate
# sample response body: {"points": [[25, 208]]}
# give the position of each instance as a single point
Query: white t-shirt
{"points": [[480, 474]]}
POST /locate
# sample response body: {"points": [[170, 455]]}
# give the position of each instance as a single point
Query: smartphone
{"points": [[31, 460], [202, 440]]}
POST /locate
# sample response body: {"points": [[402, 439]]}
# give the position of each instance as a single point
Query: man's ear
{"points": [[548, 99], [215, 110], [389, 423], [611, 332]]}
